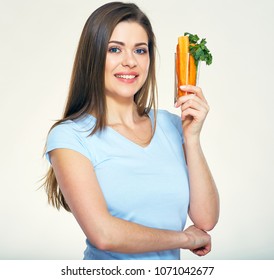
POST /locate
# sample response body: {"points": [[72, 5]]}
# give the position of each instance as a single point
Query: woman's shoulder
{"points": [[81, 125], [71, 134], [169, 122], [166, 116]]}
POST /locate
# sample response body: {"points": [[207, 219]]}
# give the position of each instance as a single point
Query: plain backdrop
{"points": [[38, 44]]}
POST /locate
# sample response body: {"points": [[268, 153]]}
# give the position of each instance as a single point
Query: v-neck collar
{"points": [[127, 140]]}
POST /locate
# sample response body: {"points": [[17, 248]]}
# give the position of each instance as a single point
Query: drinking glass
{"points": [[188, 73]]}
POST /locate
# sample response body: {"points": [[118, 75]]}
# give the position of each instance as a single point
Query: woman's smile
{"points": [[126, 77]]}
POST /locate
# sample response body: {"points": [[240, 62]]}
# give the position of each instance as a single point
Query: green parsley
{"points": [[199, 50]]}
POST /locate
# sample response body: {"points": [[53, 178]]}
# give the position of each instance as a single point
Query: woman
{"points": [[118, 165]]}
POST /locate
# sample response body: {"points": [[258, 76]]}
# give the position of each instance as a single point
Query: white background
{"points": [[38, 43]]}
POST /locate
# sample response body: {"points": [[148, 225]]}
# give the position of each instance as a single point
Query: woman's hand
{"points": [[194, 109], [199, 241]]}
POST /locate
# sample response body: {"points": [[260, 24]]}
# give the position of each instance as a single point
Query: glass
{"points": [[186, 73]]}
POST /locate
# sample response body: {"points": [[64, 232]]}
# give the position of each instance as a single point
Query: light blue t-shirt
{"points": [[148, 186]]}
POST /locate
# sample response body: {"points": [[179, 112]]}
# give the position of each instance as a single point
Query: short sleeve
{"points": [[66, 135]]}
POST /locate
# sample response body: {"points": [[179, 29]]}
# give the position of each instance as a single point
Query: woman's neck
{"points": [[121, 112]]}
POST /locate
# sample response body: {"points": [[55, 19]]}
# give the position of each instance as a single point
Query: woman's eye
{"points": [[141, 51], [114, 50]]}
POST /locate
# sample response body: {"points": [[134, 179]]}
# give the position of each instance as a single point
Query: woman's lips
{"points": [[126, 77]]}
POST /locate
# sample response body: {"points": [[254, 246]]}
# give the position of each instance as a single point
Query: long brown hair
{"points": [[87, 85]]}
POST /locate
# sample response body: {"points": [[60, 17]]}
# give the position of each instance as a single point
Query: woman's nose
{"points": [[129, 60]]}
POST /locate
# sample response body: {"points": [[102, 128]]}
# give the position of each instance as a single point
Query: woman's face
{"points": [[127, 60]]}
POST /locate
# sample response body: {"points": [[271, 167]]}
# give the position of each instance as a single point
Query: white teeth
{"points": [[128, 77]]}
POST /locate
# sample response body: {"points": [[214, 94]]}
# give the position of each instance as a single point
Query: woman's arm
{"points": [[79, 185], [204, 198]]}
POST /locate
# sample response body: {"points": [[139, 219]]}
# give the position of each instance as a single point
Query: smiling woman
{"points": [[128, 172]]}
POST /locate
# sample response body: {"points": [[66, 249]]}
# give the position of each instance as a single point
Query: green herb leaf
{"points": [[199, 50], [193, 39]]}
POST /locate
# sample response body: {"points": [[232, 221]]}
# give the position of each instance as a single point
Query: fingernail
{"points": [[182, 87], [175, 104]]}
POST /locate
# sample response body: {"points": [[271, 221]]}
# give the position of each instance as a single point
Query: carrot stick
{"points": [[192, 71], [182, 62], [185, 65]]}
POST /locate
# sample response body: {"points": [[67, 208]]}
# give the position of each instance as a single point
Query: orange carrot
{"points": [[185, 65], [192, 71]]}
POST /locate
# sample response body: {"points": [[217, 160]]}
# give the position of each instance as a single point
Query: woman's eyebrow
{"points": [[123, 44]]}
